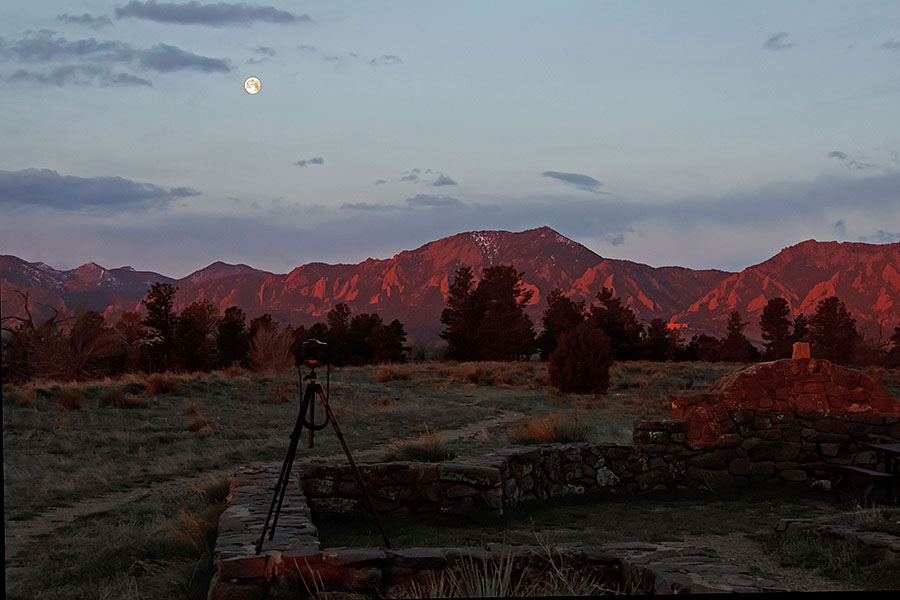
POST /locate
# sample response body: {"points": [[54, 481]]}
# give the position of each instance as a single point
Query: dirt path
{"points": [[19, 533]]}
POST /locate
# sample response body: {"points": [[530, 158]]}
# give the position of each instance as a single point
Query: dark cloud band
{"points": [[583, 182], [219, 14], [45, 188]]}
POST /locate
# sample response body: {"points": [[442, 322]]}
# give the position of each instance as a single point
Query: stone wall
{"points": [[782, 423], [810, 388]]}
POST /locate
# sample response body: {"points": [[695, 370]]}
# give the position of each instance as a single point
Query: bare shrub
{"points": [[191, 409], [162, 385], [270, 350], [69, 398]]}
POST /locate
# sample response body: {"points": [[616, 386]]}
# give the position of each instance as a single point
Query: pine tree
{"points": [[195, 336], [801, 329], [560, 315], [161, 320], [658, 344], [505, 332], [776, 329], [832, 331], [735, 347], [233, 338], [620, 325], [459, 318]]}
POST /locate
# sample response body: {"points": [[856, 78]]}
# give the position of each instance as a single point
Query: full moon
{"points": [[252, 85]]}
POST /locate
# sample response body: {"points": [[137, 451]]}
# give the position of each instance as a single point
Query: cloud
{"points": [[264, 50], [318, 160], [165, 58], [220, 14], [779, 41], [306, 48], [442, 180], [48, 189], [582, 182], [892, 45], [429, 201], [368, 207], [80, 75], [853, 164], [385, 60], [88, 61], [880, 237], [380, 182], [412, 178], [85, 19], [840, 228]]}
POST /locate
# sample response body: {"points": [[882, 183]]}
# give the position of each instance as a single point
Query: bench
{"points": [[871, 476]]}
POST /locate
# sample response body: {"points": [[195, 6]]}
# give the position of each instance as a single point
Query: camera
{"points": [[312, 352]]}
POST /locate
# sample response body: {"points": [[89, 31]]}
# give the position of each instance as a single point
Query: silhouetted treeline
{"points": [[830, 330], [85, 347]]}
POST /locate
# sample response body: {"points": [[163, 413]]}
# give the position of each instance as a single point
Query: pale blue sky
{"points": [[703, 134]]}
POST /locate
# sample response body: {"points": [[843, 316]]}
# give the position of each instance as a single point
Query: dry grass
{"points": [[431, 447], [393, 373], [550, 429], [69, 398], [163, 385], [117, 397]]}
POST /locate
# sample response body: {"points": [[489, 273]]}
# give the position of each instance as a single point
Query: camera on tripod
{"points": [[312, 353]]}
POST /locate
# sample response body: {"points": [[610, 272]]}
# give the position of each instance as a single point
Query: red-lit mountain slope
{"points": [[866, 277], [412, 285]]}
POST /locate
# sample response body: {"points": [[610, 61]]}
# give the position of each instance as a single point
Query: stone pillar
{"points": [[801, 350]]}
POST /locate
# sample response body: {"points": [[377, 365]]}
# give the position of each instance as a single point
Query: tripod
{"points": [[308, 404]]}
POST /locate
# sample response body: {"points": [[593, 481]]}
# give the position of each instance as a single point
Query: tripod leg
{"points": [[283, 478], [359, 478], [307, 400]]}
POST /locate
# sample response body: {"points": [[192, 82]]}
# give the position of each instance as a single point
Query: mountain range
{"points": [[412, 285]]}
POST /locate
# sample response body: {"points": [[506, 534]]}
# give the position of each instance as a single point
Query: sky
{"points": [[704, 134]]}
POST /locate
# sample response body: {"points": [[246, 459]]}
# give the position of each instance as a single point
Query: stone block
{"points": [[486, 476], [793, 475], [739, 466], [246, 567], [775, 451], [459, 491], [761, 471]]}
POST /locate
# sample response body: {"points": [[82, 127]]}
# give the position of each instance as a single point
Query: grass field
{"points": [[140, 464]]}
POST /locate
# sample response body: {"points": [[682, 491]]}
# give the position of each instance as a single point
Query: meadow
{"points": [[112, 488]]}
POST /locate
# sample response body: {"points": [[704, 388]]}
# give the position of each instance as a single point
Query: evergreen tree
{"points": [[505, 332], [658, 344], [459, 318], [561, 315], [338, 337], [832, 331], [620, 325], [195, 333], [706, 348], [161, 320], [801, 329], [736, 347], [387, 342], [893, 357], [233, 338], [776, 329]]}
